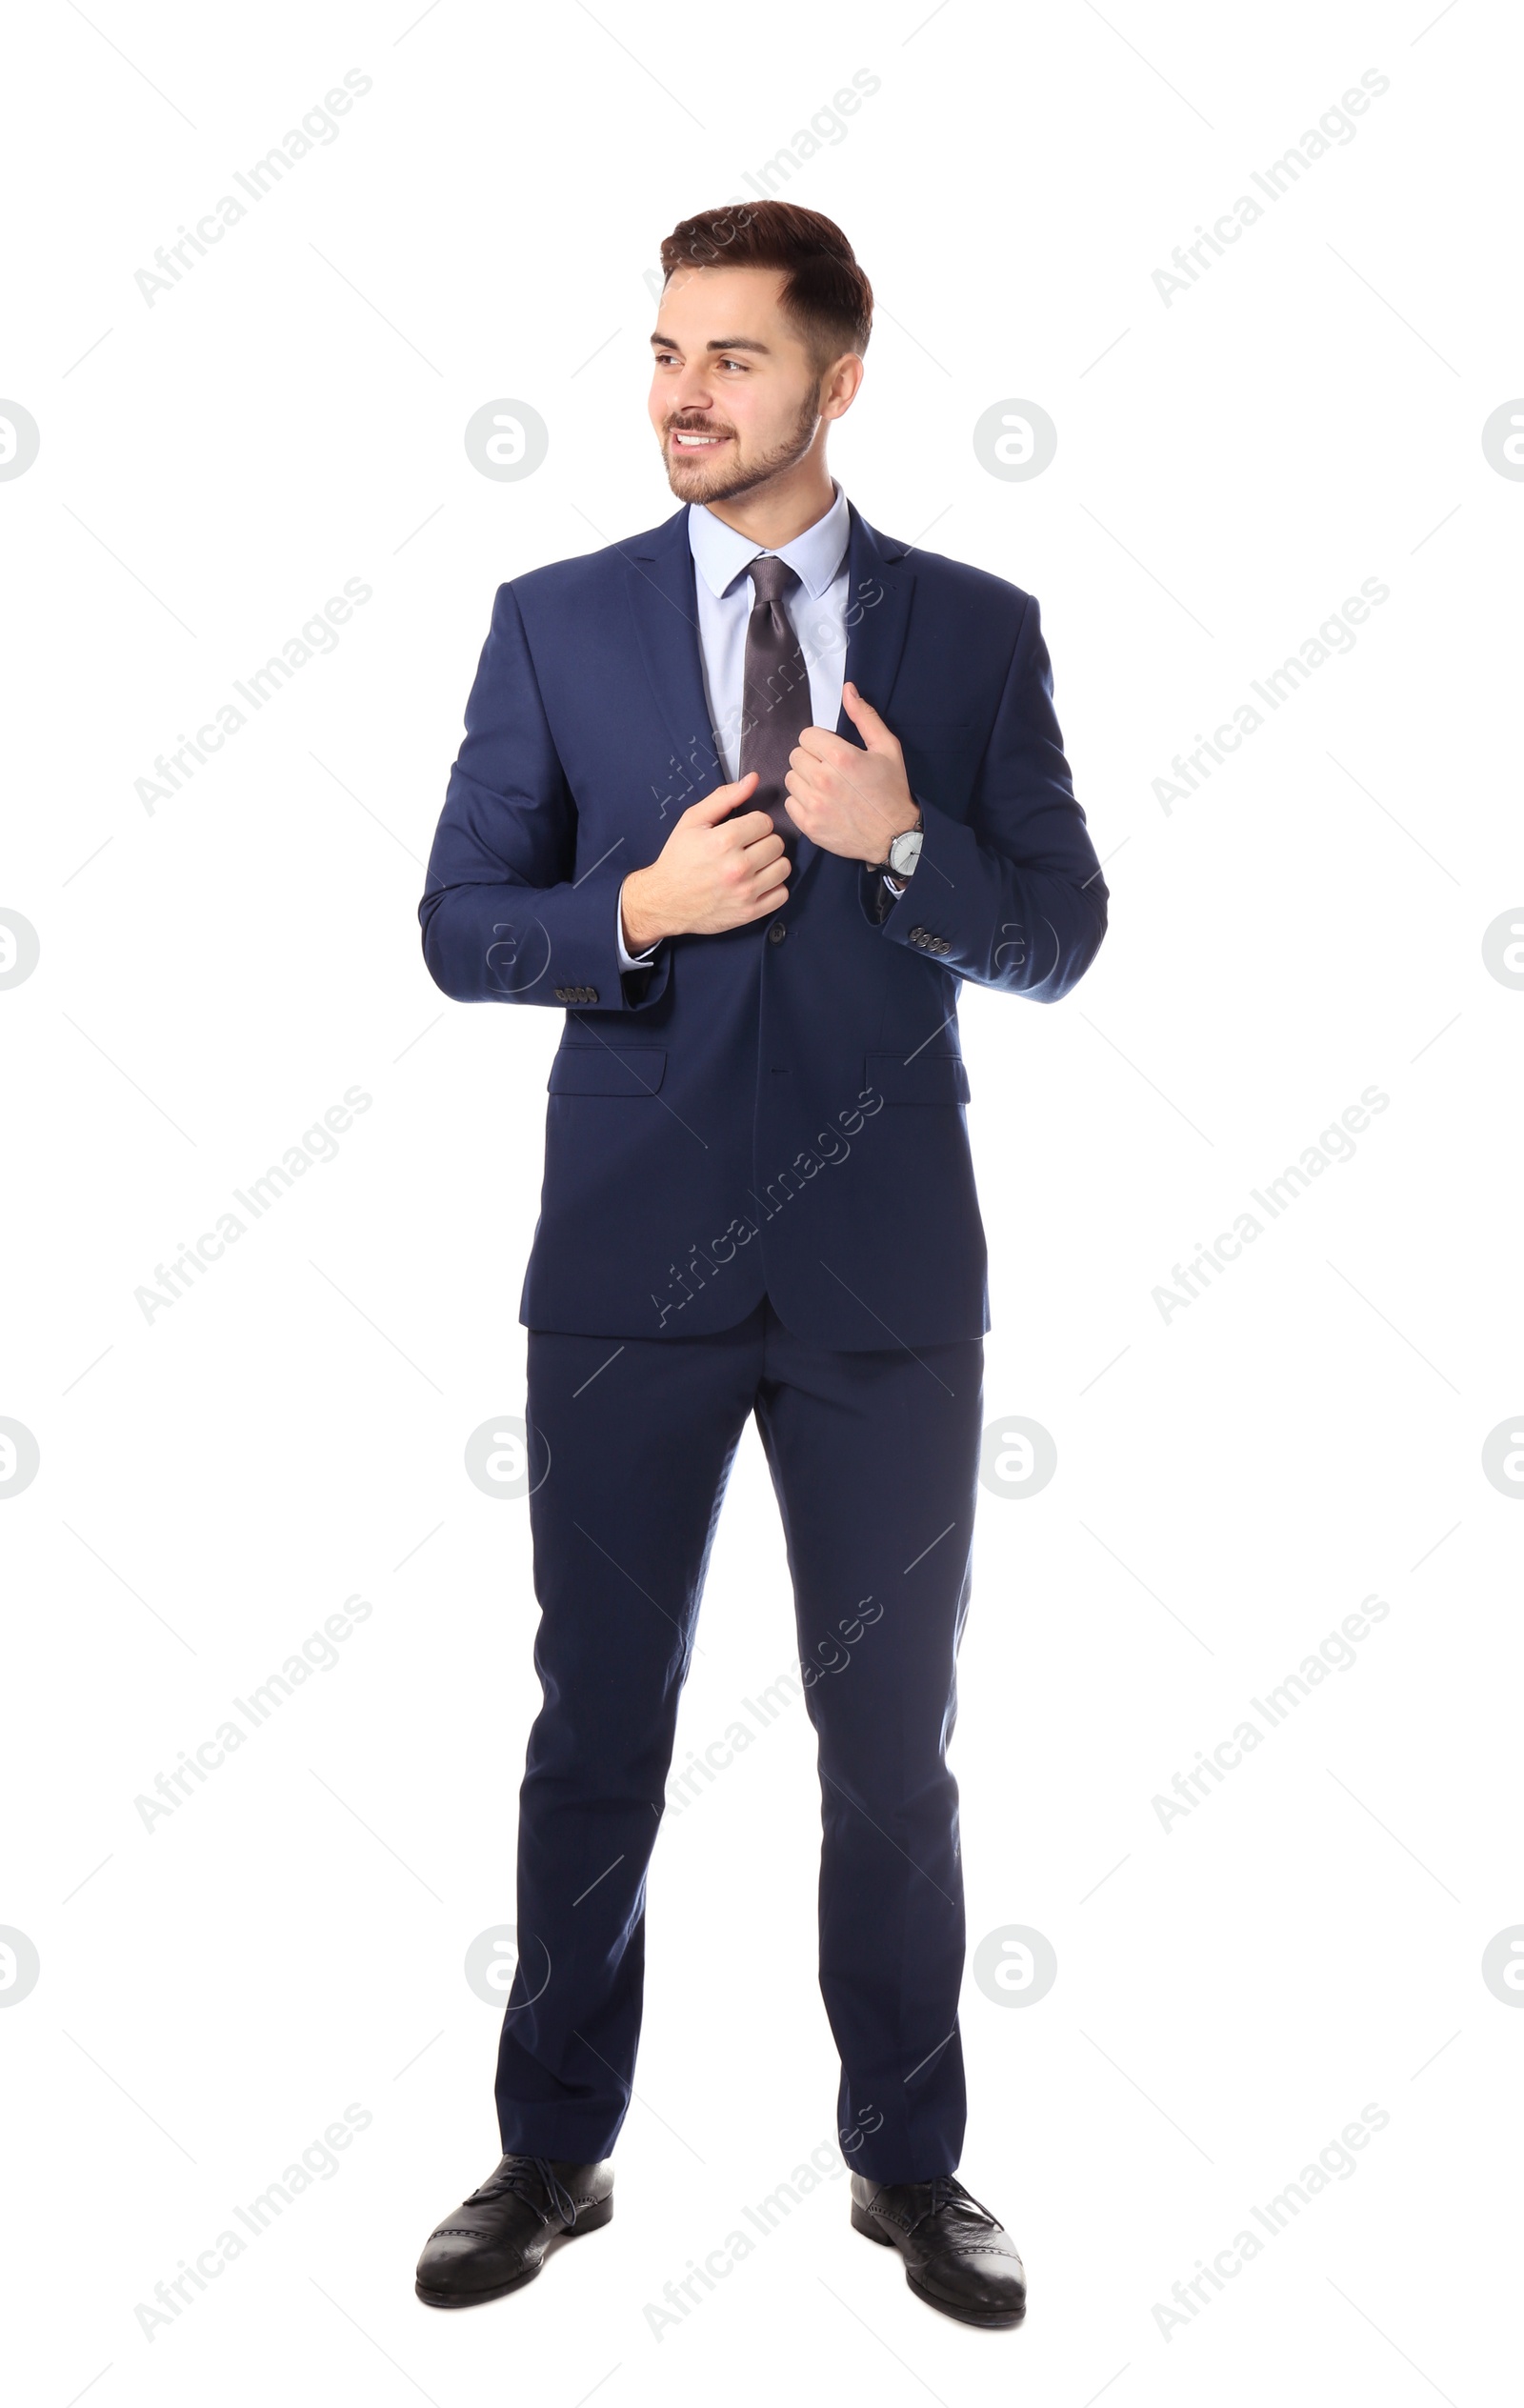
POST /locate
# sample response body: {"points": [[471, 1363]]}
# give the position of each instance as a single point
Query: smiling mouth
{"points": [[687, 441]]}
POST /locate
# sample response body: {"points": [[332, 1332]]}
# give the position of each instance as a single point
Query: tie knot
{"points": [[772, 578]]}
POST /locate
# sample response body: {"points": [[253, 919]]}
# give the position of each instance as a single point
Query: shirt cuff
{"points": [[627, 960]]}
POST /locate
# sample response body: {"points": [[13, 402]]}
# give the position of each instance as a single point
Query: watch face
{"points": [[905, 851]]}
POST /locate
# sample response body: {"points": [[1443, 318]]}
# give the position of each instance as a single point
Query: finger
{"points": [[765, 849], [711, 808], [820, 744], [747, 828], [875, 732]]}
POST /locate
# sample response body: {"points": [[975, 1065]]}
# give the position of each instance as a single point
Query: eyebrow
{"points": [[730, 343]]}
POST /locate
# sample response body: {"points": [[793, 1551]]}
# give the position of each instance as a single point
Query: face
{"points": [[735, 398]]}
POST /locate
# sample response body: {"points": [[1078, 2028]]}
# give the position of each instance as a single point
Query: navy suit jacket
{"points": [[778, 1110]]}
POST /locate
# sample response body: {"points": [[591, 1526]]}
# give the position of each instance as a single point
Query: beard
{"points": [[694, 478]]}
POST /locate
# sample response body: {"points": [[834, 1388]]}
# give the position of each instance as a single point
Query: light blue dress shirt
{"points": [[817, 612]]}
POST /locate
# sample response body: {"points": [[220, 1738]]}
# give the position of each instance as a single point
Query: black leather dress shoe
{"points": [[503, 2233], [957, 2258]]}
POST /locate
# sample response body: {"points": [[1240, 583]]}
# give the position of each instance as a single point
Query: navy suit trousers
{"points": [[873, 1456]]}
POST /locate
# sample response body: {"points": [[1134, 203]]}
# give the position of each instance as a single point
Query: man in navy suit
{"points": [[749, 796]]}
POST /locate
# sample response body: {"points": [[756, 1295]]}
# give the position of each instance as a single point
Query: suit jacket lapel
{"points": [[879, 584], [659, 579]]}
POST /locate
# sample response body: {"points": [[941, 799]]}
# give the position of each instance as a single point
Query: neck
{"points": [[772, 515]]}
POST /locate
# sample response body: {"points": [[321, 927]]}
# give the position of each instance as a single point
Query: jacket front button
{"points": [[776, 933]]}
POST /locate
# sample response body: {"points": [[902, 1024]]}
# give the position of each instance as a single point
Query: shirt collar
{"points": [[720, 554]]}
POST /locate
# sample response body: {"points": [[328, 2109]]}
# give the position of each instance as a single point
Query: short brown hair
{"points": [[825, 294]]}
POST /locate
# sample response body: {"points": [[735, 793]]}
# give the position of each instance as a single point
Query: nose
{"points": [[692, 397]]}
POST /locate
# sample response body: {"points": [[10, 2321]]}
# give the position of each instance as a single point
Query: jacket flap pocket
{"points": [[599, 1069], [925, 1078]]}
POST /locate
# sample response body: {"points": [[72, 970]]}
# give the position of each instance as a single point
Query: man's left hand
{"points": [[846, 799]]}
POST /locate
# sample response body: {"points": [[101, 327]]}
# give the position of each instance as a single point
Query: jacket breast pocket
{"points": [[924, 1078], [942, 754], [602, 1070]]}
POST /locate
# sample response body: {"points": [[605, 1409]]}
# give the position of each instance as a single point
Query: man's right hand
{"points": [[708, 877]]}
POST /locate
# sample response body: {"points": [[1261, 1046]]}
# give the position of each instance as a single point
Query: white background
{"points": [[1232, 1482]]}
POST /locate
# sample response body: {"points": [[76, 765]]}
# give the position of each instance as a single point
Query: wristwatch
{"points": [[905, 850]]}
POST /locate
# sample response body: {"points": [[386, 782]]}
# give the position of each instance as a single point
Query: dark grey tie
{"points": [[775, 695]]}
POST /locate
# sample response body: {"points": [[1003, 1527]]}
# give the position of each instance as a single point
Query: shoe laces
{"points": [[945, 2191], [523, 2176]]}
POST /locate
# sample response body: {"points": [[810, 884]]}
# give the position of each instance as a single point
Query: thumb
{"points": [[875, 734], [711, 808]]}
